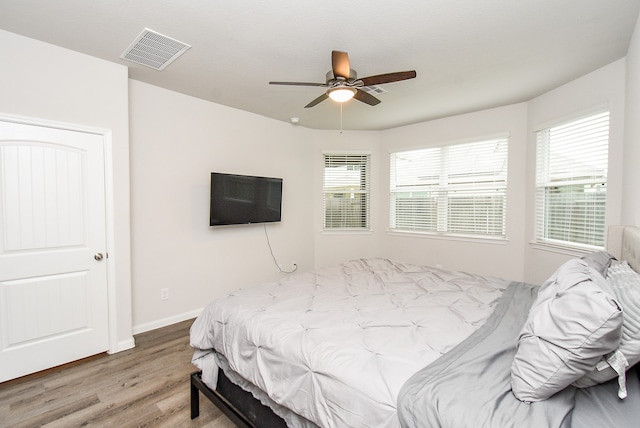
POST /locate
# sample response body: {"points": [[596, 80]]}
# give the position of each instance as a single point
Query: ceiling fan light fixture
{"points": [[341, 94]]}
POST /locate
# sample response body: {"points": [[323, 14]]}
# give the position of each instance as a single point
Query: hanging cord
{"points": [[341, 117], [295, 265]]}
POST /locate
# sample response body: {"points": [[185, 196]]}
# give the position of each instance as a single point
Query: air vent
{"points": [[154, 50], [373, 90]]}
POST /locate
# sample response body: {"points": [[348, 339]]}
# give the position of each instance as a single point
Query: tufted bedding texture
{"points": [[336, 345]]}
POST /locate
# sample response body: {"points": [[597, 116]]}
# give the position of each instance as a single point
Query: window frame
{"points": [[545, 186], [447, 187], [343, 222]]}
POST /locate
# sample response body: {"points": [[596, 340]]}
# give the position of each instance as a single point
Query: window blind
{"points": [[346, 191], [571, 181], [456, 189]]}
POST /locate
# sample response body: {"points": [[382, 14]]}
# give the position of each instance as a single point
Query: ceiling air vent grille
{"points": [[373, 89], [154, 50]]}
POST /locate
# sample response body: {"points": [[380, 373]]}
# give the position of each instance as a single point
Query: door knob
{"points": [[98, 256]]}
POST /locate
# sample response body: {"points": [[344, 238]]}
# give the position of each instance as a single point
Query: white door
{"points": [[53, 266]]}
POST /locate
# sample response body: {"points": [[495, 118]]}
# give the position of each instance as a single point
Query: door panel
{"points": [[43, 190], [30, 314], [53, 292]]}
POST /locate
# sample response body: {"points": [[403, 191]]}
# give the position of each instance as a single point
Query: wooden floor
{"points": [[147, 386]]}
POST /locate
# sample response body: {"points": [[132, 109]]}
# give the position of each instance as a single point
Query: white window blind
{"points": [[571, 182], [458, 189], [346, 191]]}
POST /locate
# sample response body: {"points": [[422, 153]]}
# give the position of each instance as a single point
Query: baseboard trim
{"points": [[152, 325]]}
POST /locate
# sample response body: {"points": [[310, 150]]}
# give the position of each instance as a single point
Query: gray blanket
{"points": [[470, 386]]}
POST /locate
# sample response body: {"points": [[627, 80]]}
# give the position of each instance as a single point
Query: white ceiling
{"points": [[468, 54]]}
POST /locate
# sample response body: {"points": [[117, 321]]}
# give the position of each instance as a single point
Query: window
{"points": [[457, 190], [571, 182], [346, 191]]}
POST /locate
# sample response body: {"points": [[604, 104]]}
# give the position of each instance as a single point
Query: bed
{"points": [[381, 343]]}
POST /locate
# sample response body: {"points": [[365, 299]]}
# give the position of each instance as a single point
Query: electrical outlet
{"points": [[284, 268], [164, 294]]}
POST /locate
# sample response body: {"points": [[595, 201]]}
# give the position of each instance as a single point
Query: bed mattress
{"points": [[336, 345]]}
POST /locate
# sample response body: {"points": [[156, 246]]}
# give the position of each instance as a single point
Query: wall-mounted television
{"points": [[244, 199]]}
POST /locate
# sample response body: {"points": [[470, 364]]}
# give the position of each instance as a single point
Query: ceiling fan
{"points": [[343, 82]]}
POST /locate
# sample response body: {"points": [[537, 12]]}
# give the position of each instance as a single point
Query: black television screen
{"points": [[244, 199]]}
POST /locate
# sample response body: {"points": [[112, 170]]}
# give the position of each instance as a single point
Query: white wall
{"points": [[504, 259], [631, 185], [603, 87], [43, 81], [176, 142]]}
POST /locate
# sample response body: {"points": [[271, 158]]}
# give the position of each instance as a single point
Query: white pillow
{"points": [[625, 283], [574, 321]]}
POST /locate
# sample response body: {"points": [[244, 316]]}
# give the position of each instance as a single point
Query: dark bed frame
{"points": [[237, 404]]}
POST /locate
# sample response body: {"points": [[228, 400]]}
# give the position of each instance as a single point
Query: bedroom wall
{"points": [[503, 259], [517, 259], [631, 178], [603, 87], [43, 81], [176, 142]]}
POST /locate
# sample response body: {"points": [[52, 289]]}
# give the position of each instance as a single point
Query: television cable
{"points": [[295, 265]]}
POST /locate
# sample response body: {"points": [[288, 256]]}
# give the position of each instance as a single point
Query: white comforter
{"points": [[336, 345]]}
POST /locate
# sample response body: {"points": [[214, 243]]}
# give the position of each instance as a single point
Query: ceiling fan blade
{"points": [[340, 64], [366, 98], [298, 83], [317, 100], [388, 78]]}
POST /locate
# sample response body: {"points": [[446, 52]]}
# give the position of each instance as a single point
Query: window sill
{"points": [[347, 231], [570, 250], [462, 238]]}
